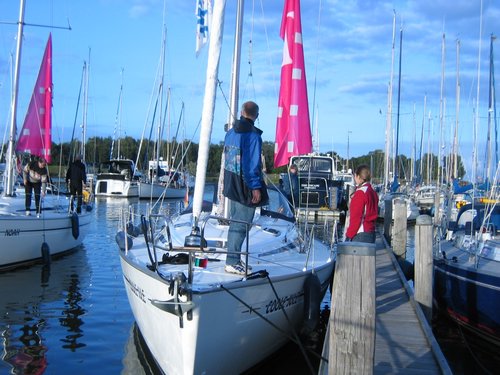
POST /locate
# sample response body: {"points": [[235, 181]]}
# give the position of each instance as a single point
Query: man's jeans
{"points": [[237, 231]]}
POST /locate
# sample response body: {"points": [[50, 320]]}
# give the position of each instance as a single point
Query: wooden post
{"points": [[399, 234], [352, 316], [387, 218], [424, 264]]}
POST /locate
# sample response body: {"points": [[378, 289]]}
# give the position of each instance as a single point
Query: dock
{"points": [[404, 342]]}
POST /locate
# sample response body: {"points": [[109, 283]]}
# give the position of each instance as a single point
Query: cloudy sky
{"points": [[348, 49]]}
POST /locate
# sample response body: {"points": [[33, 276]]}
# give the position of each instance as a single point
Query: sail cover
{"points": [[35, 137], [293, 129]]}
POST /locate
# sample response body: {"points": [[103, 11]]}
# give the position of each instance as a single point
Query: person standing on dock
{"points": [[244, 185], [363, 210], [76, 178]]}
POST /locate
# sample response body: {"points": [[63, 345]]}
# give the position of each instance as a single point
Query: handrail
{"points": [[193, 250]]}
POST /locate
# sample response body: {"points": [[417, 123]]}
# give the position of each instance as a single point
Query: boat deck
{"points": [[404, 342]]}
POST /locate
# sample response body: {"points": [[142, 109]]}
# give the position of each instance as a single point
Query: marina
{"points": [[75, 315], [176, 255]]}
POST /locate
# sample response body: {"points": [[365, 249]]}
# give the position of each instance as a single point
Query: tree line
{"points": [[185, 154]]}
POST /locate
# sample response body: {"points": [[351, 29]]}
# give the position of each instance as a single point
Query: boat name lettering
{"points": [[138, 291], [12, 232], [284, 302], [310, 186]]}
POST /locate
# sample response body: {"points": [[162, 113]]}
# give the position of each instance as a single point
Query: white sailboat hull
{"points": [[154, 190], [23, 236], [225, 333]]}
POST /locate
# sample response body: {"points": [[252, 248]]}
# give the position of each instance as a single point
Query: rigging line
{"points": [[272, 70], [76, 112], [289, 336], [250, 57], [316, 67]]}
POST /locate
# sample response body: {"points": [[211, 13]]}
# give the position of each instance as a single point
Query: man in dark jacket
{"points": [[76, 177], [243, 181]]}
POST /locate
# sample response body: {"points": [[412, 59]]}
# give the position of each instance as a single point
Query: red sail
{"points": [[35, 137], [293, 129]]}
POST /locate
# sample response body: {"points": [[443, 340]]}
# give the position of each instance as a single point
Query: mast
{"points": [[214, 51], [421, 163], [491, 110], [85, 107], [457, 113], [476, 114], [10, 157], [223, 203], [388, 126], [395, 183], [441, 112]]}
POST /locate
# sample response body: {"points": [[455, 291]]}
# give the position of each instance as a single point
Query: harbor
{"points": [[250, 245], [74, 316]]}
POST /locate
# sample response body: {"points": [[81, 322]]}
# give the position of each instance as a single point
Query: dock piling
{"points": [[399, 230], [352, 317], [424, 264]]}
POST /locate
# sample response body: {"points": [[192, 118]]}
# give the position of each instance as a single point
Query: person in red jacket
{"points": [[363, 210]]}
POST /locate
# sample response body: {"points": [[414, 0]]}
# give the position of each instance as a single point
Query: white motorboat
{"points": [[117, 178]]}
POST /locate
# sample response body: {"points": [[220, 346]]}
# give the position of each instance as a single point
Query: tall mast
{"points": [[223, 203], [396, 166], [85, 108], [457, 113], [388, 126], [491, 111], [214, 51], [9, 185], [441, 111]]}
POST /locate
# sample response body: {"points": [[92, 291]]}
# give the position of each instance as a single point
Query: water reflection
{"points": [[30, 298]]}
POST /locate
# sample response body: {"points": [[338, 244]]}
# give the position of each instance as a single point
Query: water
{"points": [[74, 318]]}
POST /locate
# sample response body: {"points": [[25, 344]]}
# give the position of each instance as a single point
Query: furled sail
{"points": [[293, 129], [35, 137]]}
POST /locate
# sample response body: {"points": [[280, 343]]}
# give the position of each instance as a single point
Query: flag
{"points": [[293, 129], [203, 21]]}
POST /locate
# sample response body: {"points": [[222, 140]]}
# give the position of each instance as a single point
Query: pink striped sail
{"points": [[35, 137], [293, 129]]}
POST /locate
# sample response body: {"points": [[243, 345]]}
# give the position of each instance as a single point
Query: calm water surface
{"points": [[74, 318]]}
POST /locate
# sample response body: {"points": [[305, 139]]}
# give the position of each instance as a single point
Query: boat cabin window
{"points": [[321, 165]]}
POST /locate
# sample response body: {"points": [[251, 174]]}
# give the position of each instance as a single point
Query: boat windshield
{"points": [[321, 165], [278, 206]]}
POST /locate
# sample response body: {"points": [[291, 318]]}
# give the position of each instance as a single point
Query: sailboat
{"points": [[467, 265], [117, 177], [28, 239], [196, 318]]}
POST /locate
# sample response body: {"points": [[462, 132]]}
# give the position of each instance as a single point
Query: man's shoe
{"points": [[38, 215], [28, 213], [237, 269], [249, 267]]}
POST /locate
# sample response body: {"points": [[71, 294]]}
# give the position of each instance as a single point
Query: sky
{"points": [[348, 53]]}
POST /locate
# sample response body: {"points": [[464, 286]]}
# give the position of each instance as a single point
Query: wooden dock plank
{"points": [[404, 343]]}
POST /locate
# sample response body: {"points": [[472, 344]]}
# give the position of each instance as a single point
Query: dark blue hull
{"points": [[470, 297]]}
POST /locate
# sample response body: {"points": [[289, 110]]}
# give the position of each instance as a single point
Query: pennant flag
{"points": [[293, 129], [204, 18], [35, 136]]}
